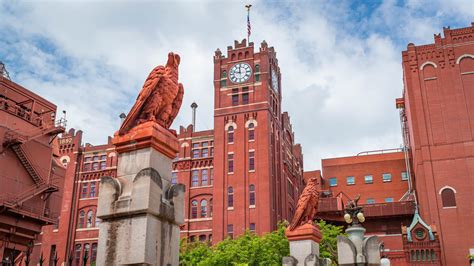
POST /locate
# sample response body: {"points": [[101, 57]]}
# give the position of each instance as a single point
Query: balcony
{"points": [[336, 204]]}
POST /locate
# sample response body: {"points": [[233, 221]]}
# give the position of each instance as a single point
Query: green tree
{"points": [[328, 245]]}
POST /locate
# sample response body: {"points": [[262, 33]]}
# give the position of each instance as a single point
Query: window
{"points": [[252, 227], [230, 231], [87, 159], [195, 145], [210, 208], [194, 209], [95, 166], [230, 197], [223, 74], [235, 97], [332, 182], [84, 189], [245, 96], [52, 254], [205, 152], [92, 193], [230, 134], [86, 250], [81, 219], [196, 153], [251, 160], [103, 165], [350, 180], [388, 199], [387, 177], [212, 152], [404, 176], [369, 179], [195, 178], [203, 208], [202, 238], [174, 178], [448, 197], [257, 72], [370, 201], [251, 131], [77, 254], [95, 158], [87, 167], [257, 68], [93, 253], [211, 174], [90, 220], [103, 157], [204, 177], [223, 78], [252, 195], [230, 162], [204, 144]]}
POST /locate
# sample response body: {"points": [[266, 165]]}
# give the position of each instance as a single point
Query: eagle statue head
{"points": [[173, 60]]}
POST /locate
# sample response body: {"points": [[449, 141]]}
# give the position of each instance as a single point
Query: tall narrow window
{"points": [[235, 97], [92, 190], [448, 198], [203, 208], [205, 152], [90, 219], [81, 219], [230, 162], [230, 197], [86, 251], [52, 253], [77, 254], [103, 165], [252, 195], [245, 95], [210, 208], [94, 253], [223, 78], [204, 180], [84, 189], [251, 129], [251, 160], [196, 153], [211, 176], [230, 134], [194, 178], [257, 72], [230, 231], [194, 209]]}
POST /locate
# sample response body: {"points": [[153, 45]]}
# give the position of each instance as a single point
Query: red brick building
{"points": [[246, 173], [31, 174], [437, 110]]}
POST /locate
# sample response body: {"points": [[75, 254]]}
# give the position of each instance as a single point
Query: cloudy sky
{"points": [[340, 60]]}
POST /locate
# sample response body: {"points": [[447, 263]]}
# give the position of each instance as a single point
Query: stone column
{"points": [[304, 246], [140, 209]]}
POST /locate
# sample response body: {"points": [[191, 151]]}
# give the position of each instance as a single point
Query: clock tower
{"points": [[250, 192]]}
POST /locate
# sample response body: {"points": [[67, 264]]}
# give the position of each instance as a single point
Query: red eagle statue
{"points": [[307, 205], [160, 98]]}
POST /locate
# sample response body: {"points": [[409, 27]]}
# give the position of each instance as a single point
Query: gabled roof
{"points": [[417, 219]]}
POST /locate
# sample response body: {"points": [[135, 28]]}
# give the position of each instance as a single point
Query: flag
{"points": [[249, 28]]}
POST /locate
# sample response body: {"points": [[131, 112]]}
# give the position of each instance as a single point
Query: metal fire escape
{"points": [[43, 185]]}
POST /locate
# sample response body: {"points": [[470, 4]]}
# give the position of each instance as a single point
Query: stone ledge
{"points": [[305, 232]]}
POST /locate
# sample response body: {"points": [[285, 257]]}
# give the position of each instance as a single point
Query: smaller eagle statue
{"points": [[307, 205], [160, 98]]}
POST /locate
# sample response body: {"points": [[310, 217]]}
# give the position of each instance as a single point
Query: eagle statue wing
{"points": [[150, 84], [176, 104], [301, 208]]}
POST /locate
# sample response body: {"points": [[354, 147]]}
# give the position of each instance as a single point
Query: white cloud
{"points": [[341, 72]]}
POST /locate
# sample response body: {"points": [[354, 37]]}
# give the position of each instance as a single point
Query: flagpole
{"points": [[248, 22]]}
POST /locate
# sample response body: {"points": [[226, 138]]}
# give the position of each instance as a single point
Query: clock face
{"points": [[240, 72], [274, 80]]}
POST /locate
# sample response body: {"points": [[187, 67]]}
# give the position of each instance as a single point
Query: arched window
{"points": [[94, 253], [81, 219], [223, 74], [202, 238], [448, 197], [204, 181], [230, 197], [77, 254], [230, 134], [90, 220], [210, 208], [251, 131], [203, 208], [86, 250], [194, 209], [252, 195]]}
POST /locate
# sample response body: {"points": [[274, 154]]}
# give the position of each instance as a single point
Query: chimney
{"points": [[194, 106]]}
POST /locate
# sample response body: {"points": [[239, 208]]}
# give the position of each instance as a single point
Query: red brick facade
{"points": [[438, 103]]}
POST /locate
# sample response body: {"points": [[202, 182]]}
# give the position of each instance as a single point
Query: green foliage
{"points": [[250, 249], [328, 245]]}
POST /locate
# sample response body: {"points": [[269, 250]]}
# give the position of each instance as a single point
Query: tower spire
{"points": [[249, 28]]}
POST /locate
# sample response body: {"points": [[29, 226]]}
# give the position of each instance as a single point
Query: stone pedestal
{"points": [[356, 249], [140, 209], [304, 246]]}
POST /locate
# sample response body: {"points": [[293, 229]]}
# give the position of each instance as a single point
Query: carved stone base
{"points": [[304, 246]]}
